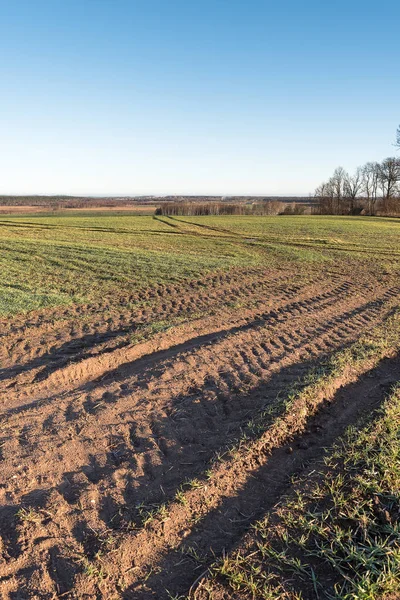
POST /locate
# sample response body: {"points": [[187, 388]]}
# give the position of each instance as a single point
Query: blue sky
{"points": [[222, 96]]}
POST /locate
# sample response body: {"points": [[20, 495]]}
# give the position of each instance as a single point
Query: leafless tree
{"points": [[324, 196], [351, 187], [374, 188], [338, 179], [222, 208], [389, 176], [337, 185], [370, 184], [331, 196]]}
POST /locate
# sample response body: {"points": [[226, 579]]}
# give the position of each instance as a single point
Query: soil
{"points": [[110, 426]]}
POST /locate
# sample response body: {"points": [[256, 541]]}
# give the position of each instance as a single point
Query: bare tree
{"points": [[324, 195], [351, 187], [389, 176], [372, 184], [337, 183], [331, 195], [369, 185]]}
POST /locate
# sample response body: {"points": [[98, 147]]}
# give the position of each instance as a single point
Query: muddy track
{"points": [[206, 371], [60, 336], [32, 372], [222, 528], [248, 320], [49, 337], [97, 441]]}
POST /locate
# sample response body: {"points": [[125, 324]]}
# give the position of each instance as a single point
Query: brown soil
{"points": [[301, 458], [104, 418]]}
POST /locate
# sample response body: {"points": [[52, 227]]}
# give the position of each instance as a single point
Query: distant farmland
{"points": [[176, 398]]}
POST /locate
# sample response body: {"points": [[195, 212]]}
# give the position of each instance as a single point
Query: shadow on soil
{"points": [[222, 528]]}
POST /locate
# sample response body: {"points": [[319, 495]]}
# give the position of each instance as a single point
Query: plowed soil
{"points": [[115, 422]]}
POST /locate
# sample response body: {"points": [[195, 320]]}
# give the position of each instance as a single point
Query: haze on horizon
{"points": [[106, 98]]}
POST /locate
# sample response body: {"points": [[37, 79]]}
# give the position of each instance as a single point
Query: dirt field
{"points": [[157, 404]]}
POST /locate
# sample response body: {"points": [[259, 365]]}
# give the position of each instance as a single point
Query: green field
{"points": [[56, 260]]}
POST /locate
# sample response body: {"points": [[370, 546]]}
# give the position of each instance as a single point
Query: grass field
{"points": [[199, 407], [55, 260]]}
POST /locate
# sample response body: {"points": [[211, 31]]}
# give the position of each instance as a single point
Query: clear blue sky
{"points": [[214, 96]]}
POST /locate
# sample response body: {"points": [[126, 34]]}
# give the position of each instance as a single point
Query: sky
{"points": [[127, 97]]}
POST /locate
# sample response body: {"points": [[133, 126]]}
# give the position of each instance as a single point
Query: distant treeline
{"points": [[373, 189], [230, 199], [194, 209], [64, 201]]}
